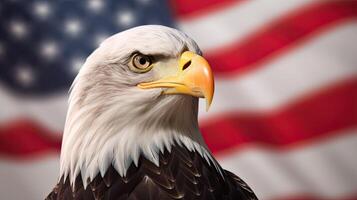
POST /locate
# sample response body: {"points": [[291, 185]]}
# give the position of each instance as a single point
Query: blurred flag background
{"points": [[284, 116]]}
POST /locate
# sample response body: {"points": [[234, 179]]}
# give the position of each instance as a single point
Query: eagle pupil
{"points": [[142, 61]]}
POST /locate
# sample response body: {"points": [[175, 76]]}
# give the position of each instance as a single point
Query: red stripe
{"points": [[184, 9], [314, 117], [250, 52], [25, 138]]}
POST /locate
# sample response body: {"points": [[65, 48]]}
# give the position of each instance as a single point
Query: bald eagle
{"points": [[131, 130]]}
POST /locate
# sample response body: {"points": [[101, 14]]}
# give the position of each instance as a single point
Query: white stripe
{"points": [[325, 170], [236, 22], [49, 111], [320, 62], [30, 180]]}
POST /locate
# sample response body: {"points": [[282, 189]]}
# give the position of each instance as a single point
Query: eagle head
{"points": [[136, 95]]}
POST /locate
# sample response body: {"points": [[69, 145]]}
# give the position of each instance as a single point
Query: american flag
{"points": [[284, 116]]}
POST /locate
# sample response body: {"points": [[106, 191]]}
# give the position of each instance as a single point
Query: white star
{"points": [[76, 64], [41, 9], [95, 5], [24, 75], [49, 49], [73, 27], [126, 18], [99, 38], [18, 29]]}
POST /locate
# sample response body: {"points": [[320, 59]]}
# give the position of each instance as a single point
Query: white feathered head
{"points": [[137, 94]]}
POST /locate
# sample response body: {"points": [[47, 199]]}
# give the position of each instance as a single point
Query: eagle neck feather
{"points": [[103, 131]]}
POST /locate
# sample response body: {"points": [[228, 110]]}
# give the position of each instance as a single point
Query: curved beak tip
{"points": [[209, 97]]}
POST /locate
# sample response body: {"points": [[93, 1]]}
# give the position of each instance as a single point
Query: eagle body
{"points": [[181, 174], [131, 129]]}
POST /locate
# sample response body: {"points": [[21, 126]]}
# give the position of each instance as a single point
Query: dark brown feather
{"points": [[182, 175]]}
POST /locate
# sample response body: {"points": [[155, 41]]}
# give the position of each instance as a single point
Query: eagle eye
{"points": [[141, 63]]}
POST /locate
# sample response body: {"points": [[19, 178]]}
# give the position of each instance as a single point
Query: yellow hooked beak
{"points": [[194, 78]]}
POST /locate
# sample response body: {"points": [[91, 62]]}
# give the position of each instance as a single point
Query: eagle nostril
{"points": [[186, 65]]}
